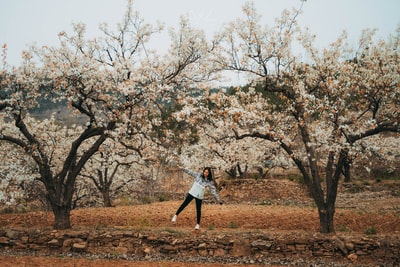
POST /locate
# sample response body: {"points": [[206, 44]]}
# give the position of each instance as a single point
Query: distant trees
{"points": [[105, 167]]}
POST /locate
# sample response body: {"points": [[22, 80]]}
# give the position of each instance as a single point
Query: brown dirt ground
{"points": [[377, 210], [228, 216]]}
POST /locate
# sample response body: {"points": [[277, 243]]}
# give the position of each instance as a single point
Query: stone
{"points": [[68, 242], [36, 247], [353, 257], [79, 247], [4, 240], [261, 244], [11, 234], [25, 239], [219, 252], [350, 245], [121, 250], [19, 245], [202, 246], [128, 234], [152, 237], [203, 252], [147, 250], [241, 248], [340, 245], [53, 243]]}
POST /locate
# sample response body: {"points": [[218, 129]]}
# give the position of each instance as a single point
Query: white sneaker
{"points": [[174, 218], [197, 227]]}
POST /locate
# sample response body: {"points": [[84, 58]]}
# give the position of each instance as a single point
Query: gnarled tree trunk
{"points": [[61, 216]]}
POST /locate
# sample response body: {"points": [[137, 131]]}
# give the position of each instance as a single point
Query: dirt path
{"points": [[235, 216]]}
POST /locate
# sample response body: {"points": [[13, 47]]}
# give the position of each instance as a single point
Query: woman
{"points": [[201, 181]]}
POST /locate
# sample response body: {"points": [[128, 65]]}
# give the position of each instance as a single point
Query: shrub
{"points": [[232, 225], [370, 231]]}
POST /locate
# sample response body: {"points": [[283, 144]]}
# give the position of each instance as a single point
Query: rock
{"points": [[219, 252], [54, 243], [353, 257], [4, 240], [152, 237], [121, 250], [261, 244], [349, 246], [79, 247], [202, 246], [11, 234], [147, 250], [340, 245], [241, 248]]}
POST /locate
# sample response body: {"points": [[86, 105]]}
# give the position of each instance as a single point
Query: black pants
{"points": [[187, 200]]}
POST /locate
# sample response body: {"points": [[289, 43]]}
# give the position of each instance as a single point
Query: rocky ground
{"points": [[284, 206]]}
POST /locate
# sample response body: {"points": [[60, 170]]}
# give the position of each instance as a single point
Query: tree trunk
{"points": [[326, 220], [232, 172], [346, 171], [106, 198], [61, 216]]}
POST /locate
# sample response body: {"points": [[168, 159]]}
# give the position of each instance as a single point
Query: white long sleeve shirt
{"points": [[198, 188]]}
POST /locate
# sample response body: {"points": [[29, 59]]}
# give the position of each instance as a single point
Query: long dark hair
{"points": [[210, 176]]}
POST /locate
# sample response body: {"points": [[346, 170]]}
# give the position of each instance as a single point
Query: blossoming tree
{"points": [[113, 81], [316, 109]]}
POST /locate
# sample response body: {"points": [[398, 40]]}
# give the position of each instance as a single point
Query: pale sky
{"points": [[25, 22]]}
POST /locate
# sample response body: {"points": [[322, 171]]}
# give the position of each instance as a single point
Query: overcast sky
{"points": [[24, 22]]}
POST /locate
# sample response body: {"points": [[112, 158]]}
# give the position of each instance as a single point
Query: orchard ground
{"points": [[284, 207]]}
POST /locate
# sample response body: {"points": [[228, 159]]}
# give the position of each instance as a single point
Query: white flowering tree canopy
{"points": [[118, 86], [318, 109]]}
